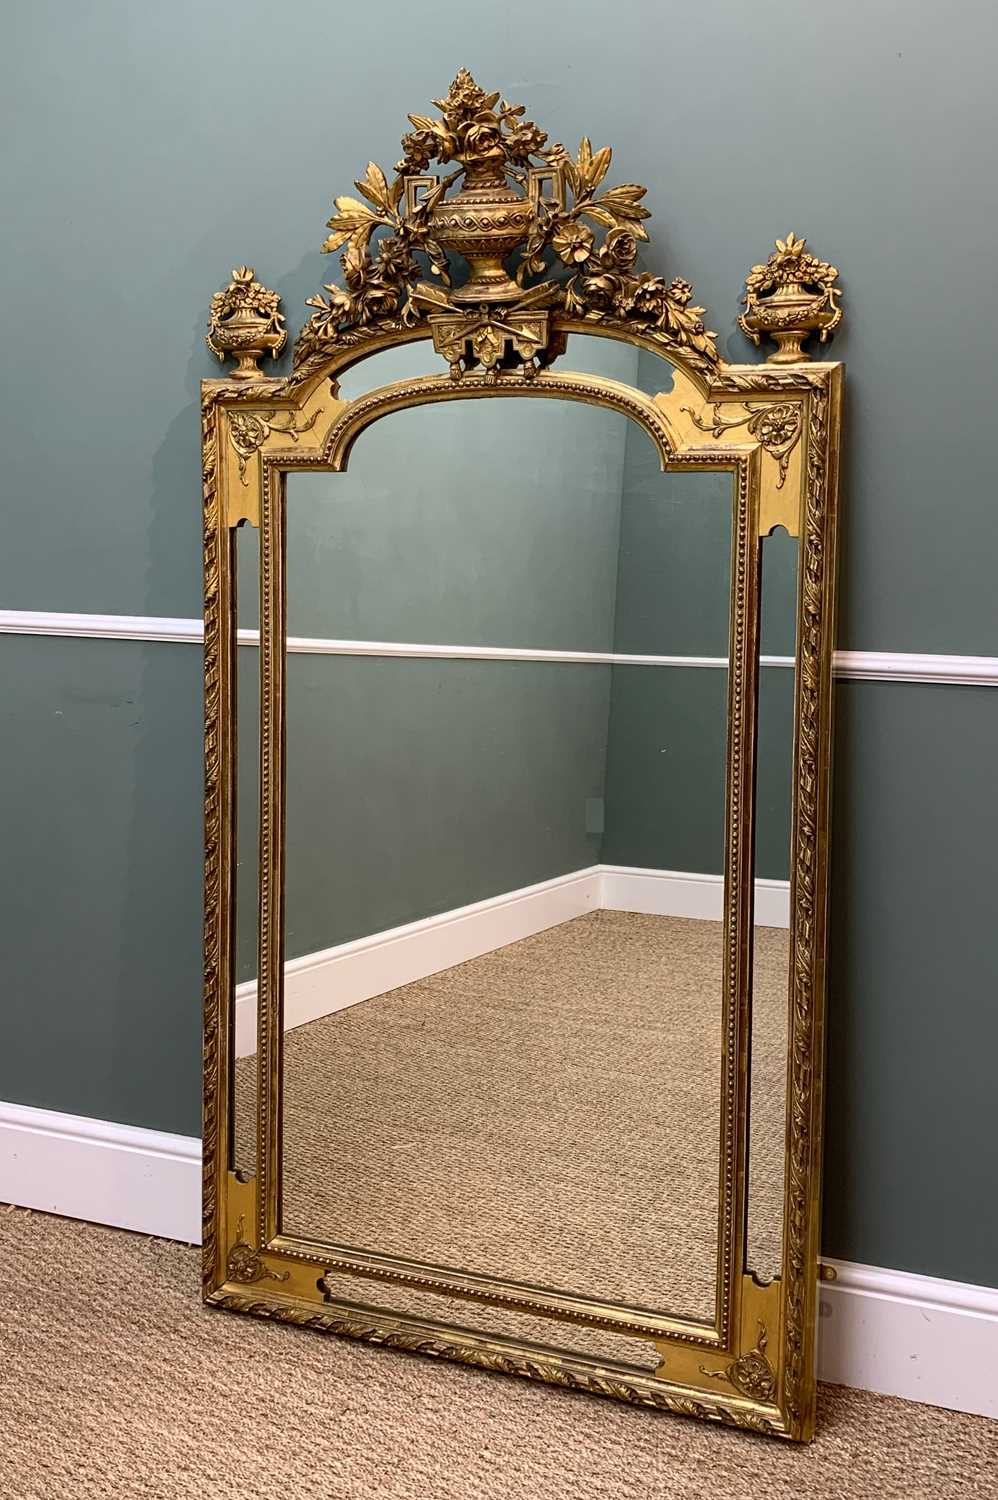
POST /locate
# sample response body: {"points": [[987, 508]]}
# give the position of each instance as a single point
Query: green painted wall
{"points": [[912, 1154], [135, 180], [100, 883]]}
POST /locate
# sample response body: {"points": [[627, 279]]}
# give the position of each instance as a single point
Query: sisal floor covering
{"points": [[117, 1385]]}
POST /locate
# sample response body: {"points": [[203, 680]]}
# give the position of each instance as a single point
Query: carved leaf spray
{"points": [[576, 241]]}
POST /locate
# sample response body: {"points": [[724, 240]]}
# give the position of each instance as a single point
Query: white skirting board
{"points": [[889, 1331], [318, 984], [913, 1336], [115, 1174]]}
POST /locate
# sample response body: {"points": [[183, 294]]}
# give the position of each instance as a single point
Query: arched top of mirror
{"points": [[497, 245]]}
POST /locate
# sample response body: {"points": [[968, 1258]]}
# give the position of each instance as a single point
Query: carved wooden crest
{"points": [[494, 258], [541, 232]]}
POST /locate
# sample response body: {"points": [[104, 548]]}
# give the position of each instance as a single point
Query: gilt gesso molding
{"points": [[500, 1357], [548, 250]]}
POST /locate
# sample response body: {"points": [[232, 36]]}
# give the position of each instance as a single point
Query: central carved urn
{"points": [[484, 222]]}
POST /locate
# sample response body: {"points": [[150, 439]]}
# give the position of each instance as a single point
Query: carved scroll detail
{"points": [[513, 195], [778, 429], [750, 1373], [552, 1371], [246, 1264], [248, 431]]}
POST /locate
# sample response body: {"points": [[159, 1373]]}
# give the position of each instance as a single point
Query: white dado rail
{"points": [[884, 666]]}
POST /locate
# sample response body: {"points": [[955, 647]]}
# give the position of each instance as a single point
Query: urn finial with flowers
{"points": [[488, 217]]}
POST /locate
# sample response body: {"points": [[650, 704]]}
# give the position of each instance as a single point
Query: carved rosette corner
{"points": [[777, 427], [751, 1374], [246, 1264], [248, 431]]}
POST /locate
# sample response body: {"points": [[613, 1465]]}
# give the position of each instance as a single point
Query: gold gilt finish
{"points": [[590, 230], [791, 296], [245, 321], [525, 217]]}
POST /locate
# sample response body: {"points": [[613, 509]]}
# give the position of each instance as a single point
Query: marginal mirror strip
{"points": [[771, 931], [246, 840]]}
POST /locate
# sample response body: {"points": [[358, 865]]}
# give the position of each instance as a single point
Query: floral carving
{"points": [[248, 431], [246, 1264], [778, 429], [750, 1373], [790, 265], [244, 294], [576, 240], [245, 321], [792, 295]]}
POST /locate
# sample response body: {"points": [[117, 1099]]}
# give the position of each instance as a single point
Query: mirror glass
{"points": [[247, 841], [506, 735], [771, 930], [583, 353]]}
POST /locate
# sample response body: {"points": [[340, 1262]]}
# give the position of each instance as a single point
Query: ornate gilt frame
{"points": [[776, 428]]}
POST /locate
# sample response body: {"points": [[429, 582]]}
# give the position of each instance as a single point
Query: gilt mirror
{"points": [[518, 623]]}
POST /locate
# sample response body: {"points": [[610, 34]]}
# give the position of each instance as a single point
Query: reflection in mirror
{"points": [[505, 1009], [482, 523], [243, 1153], [771, 932], [402, 362]]}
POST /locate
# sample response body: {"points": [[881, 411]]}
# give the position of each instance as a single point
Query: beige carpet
{"points": [[548, 1112], [117, 1385]]}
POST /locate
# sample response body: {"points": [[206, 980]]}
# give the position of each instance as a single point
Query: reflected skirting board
{"points": [[317, 984], [888, 1331]]}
